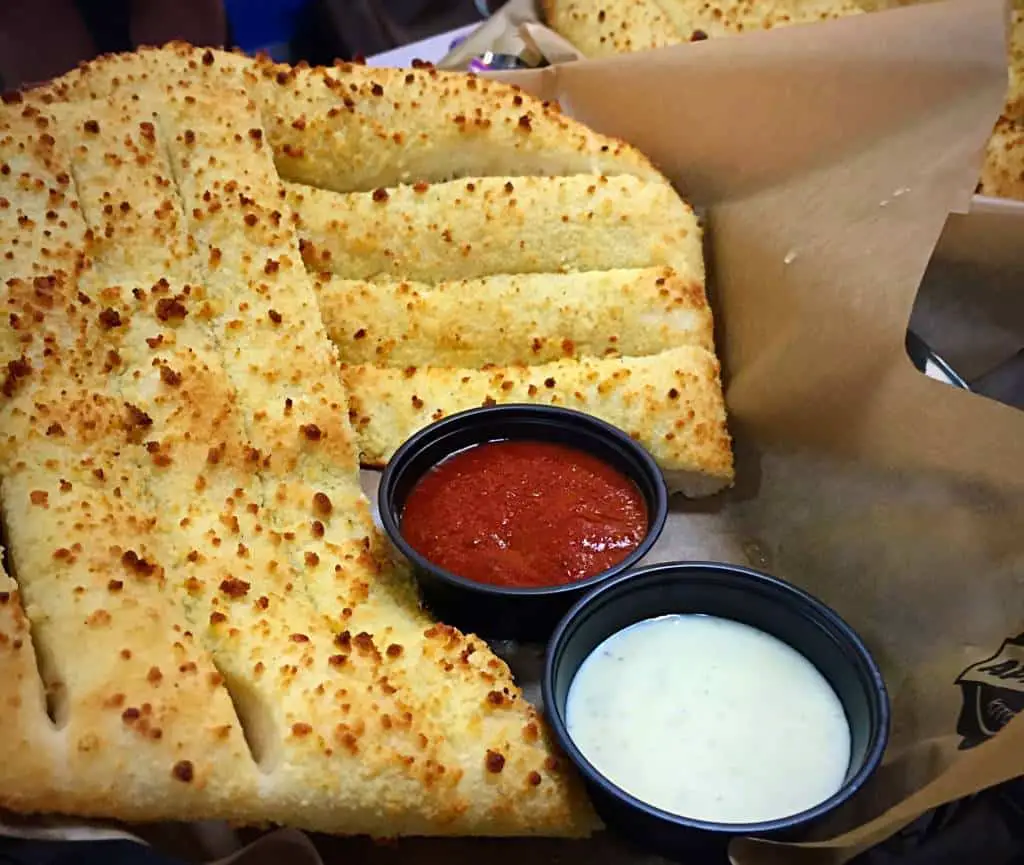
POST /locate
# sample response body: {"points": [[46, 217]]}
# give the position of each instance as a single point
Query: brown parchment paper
{"points": [[826, 159], [518, 29]]}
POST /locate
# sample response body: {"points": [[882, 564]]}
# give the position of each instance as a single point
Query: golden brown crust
{"points": [[670, 402], [418, 352], [476, 227], [1003, 172], [29, 736], [1015, 94], [220, 623], [177, 445], [602, 28], [543, 317], [512, 226], [356, 128]]}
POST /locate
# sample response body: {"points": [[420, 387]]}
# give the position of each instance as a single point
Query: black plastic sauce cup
{"points": [[743, 595], [498, 611]]}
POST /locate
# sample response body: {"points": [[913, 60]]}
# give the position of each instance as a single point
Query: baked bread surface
{"points": [[1003, 172], [601, 28], [420, 177], [205, 622], [227, 283]]}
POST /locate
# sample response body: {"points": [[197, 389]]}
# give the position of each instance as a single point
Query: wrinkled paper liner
{"points": [[518, 29], [896, 499]]}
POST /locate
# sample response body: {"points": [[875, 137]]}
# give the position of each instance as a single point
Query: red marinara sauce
{"points": [[524, 514]]}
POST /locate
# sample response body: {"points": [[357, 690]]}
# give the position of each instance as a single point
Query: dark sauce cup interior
{"points": [[527, 614], [742, 595]]}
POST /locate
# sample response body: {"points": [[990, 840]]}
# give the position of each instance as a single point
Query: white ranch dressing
{"points": [[710, 719]]}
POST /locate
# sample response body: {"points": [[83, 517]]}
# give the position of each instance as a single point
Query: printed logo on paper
{"points": [[993, 693]]}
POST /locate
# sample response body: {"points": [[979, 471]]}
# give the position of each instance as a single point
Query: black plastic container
{"points": [[495, 611], [742, 595]]}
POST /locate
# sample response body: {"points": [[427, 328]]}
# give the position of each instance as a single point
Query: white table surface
{"points": [[431, 50]]}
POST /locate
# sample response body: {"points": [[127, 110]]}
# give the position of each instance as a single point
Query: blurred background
{"points": [[40, 39]]}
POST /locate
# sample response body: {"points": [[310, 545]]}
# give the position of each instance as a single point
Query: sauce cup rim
{"points": [[592, 775], [657, 507]]}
